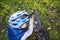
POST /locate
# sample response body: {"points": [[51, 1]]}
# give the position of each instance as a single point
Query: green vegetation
{"points": [[48, 10]]}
